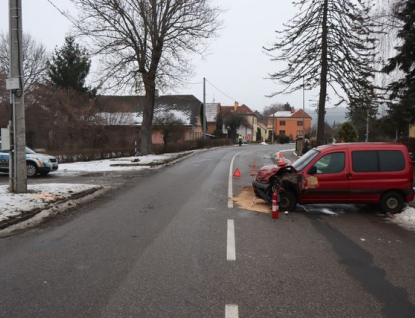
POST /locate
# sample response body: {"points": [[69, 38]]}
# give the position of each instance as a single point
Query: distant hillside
{"points": [[337, 115]]}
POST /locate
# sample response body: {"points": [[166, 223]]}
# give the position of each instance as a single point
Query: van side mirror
{"points": [[312, 170]]}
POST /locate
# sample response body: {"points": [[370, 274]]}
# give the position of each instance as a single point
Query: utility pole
{"points": [[303, 111], [17, 164], [367, 126], [204, 108], [273, 128]]}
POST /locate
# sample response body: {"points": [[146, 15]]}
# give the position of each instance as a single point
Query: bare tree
{"points": [[4, 101], [328, 42], [35, 59], [273, 108], [144, 44], [170, 126]]}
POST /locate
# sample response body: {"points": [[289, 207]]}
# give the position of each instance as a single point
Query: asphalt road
{"points": [[168, 243]]}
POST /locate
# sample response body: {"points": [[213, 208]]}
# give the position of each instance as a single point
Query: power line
{"points": [[66, 15], [72, 20], [232, 99]]}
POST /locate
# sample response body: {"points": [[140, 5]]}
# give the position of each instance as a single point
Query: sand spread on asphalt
{"points": [[246, 200]]}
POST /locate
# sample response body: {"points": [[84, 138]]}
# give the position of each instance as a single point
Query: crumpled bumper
{"points": [[262, 190]]}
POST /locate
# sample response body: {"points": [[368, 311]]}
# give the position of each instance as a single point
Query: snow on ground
{"points": [[405, 219], [126, 163], [39, 196]]}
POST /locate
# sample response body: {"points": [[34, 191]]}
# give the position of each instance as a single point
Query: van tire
{"points": [[287, 201], [31, 169], [391, 202]]}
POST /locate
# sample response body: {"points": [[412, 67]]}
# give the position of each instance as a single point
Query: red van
{"points": [[342, 173]]}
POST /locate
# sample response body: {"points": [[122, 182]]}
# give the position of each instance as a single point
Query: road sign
{"points": [[237, 173]]}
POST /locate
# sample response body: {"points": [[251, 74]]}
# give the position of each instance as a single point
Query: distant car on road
{"points": [[36, 163]]}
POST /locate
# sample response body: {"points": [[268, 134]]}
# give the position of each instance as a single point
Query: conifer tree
{"points": [[328, 44], [402, 91], [69, 66]]}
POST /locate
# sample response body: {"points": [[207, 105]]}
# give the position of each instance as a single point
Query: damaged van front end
{"points": [[283, 179]]}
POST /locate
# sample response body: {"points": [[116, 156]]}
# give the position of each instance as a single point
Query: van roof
{"points": [[363, 145]]}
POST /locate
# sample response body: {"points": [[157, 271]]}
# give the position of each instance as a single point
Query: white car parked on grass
{"points": [[36, 163]]}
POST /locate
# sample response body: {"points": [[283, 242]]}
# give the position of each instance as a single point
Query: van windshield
{"points": [[305, 159]]}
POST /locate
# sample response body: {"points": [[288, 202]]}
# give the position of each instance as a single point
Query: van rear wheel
{"points": [[391, 202]]}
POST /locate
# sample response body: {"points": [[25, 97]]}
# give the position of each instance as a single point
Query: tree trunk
{"points": [[148, 111], [323, 78]]}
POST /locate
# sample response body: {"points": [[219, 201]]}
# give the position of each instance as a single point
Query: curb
{"points": [[155, 163]]}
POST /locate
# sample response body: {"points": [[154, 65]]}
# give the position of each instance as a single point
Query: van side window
{"points": [[331, 163], [391, 160], [365, 161], [378, 160]]}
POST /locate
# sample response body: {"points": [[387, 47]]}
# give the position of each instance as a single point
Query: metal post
{"points": [[273, 128], [367, 126], [303, 110], [204, 108], [19, 181]]}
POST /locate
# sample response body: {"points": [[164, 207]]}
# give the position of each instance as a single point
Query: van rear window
{"points": [[391, 160], [378, 160]]}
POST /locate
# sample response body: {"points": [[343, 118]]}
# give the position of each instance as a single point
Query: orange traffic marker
{"points": [[237, 173], [281, 160]]}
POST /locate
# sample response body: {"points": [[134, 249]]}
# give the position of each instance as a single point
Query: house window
{"points": [[282, 132], [299, 132], [299, 123], [282, 122]]}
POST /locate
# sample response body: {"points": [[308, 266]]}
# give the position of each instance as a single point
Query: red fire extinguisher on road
{"points": [[275, 207]]}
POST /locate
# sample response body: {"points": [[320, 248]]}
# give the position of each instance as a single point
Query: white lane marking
{"points": [[230, 247], [231, 311], [230, 192]]}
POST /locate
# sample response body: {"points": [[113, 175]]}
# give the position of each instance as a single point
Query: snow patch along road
{"points": [[15, 208]]}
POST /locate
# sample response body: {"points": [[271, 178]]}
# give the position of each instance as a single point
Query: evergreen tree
{"points": [[69, 66], [232, 122], [347, 133], [328, 42], [402, 91]]}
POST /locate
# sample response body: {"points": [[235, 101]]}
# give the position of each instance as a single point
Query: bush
{"points": [[283, 139]]}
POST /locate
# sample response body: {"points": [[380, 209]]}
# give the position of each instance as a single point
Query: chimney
{"points": [[235, 106], [292, 110]]}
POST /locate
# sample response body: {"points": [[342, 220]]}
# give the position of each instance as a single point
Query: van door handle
{"points": [[348, 175]]}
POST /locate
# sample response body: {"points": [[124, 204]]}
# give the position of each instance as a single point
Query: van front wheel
{"points": [[287, 201], [391, 202]]}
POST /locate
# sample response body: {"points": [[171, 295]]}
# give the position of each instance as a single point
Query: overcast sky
{"points": [[237, 65]]}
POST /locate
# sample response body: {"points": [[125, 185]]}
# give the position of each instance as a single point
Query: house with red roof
{"points": [[289, 123], [249, 130]]}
